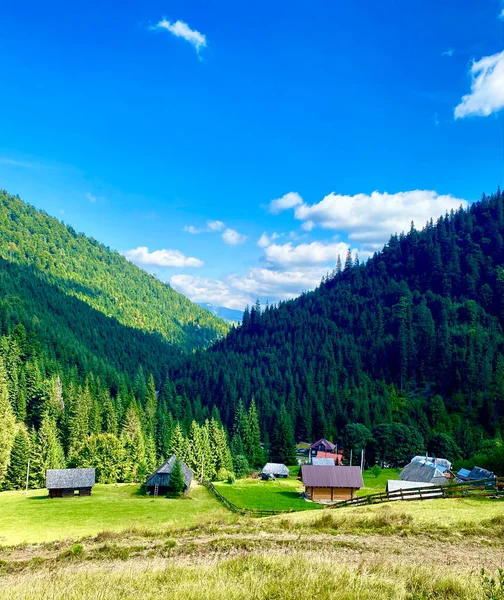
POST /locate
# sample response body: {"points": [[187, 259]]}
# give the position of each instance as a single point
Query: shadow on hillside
{"points": [[45, 497], [290, 495]]}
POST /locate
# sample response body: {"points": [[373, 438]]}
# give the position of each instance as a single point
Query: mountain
{"points": [[228, 314], [412, 338], [82, 268]]}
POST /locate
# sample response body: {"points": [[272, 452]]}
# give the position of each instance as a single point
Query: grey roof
{"points": [[441, 463], [423, 473], [328, 462], [59, 479], [478, 474], [336, 477], [396, 484], [162, 475], [275, 469]]}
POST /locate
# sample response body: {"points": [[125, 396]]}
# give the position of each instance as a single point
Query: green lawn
{"points": [[281, 494], [37, 518], [375, 485]]}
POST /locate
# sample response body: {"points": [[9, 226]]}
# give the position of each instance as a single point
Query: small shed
{"points": [[330, 483], [159, 481], [476, 474], [63, 483], [322, 445], [463, 475], [275, 470]]}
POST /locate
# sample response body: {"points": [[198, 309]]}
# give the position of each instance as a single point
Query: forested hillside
{"points": [[84, 340], [83, 268], [412, 338]]}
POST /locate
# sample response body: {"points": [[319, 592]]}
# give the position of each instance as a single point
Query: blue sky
{"points": [[167, 130]]}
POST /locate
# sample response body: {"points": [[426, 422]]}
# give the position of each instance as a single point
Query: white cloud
{"points": [[308, 225], [236, 291], [285, 202], [210, 226], [161, 258], [266, 240], [91, 198], [316, 253], [182, 30], [487, 88], [448, 52], [501, 15], [192, 229], [215, 225], [232, 237], [204, 289], [377, 215]]}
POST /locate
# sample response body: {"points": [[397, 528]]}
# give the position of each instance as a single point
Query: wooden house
{"points": [[275, 470], [159, 481], [331, 483], [322, 445], [63, 483]]}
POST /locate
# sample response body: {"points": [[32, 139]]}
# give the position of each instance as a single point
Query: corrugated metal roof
{"points": [[325, 476], [337, 458], [60, 479], [425, 473], [441, 463], [478, 473], [323, 461], [396, 484], [275, 469], [463, 473]]}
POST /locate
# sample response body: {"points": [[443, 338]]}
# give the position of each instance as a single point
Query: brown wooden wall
{"points": [[328, 494]]}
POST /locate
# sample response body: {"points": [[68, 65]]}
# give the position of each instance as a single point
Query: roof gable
{"points": [[166, 470]]}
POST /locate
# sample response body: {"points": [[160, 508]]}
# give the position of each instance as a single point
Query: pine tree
{"points": [[133, 441], [15, 477], [150, 407], [177, 484], [178, 444], [105, 453], [253, 444], [7, 422], [47, 451]]}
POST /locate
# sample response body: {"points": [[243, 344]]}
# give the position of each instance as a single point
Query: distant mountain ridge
{"points": [[228, 314]]}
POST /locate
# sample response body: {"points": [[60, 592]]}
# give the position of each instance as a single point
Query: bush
{"points": [[222, 475], [376, 470], [231, 478]]}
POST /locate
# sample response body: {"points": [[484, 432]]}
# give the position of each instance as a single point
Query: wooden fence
{"points": [[487, 487], [242, 511]]}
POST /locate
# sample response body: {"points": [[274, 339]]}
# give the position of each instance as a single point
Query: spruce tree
{"points": [[47, 451], [176, 485], [15, 477], [254, 450], [7, 422]]}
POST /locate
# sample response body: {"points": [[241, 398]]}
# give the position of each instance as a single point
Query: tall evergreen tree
{"points": [[7, 422]]}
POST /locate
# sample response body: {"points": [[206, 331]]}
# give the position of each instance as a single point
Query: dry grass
{"points": [[259, 576]]}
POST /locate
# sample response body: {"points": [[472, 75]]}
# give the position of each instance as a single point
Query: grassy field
{"points": [[281, 494], [374, 485], [400, 551], [37, 518]]}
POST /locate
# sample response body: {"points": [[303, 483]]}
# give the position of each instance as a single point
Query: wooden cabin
{"points": [[324, 483], [64, 483], [158, 483]]}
